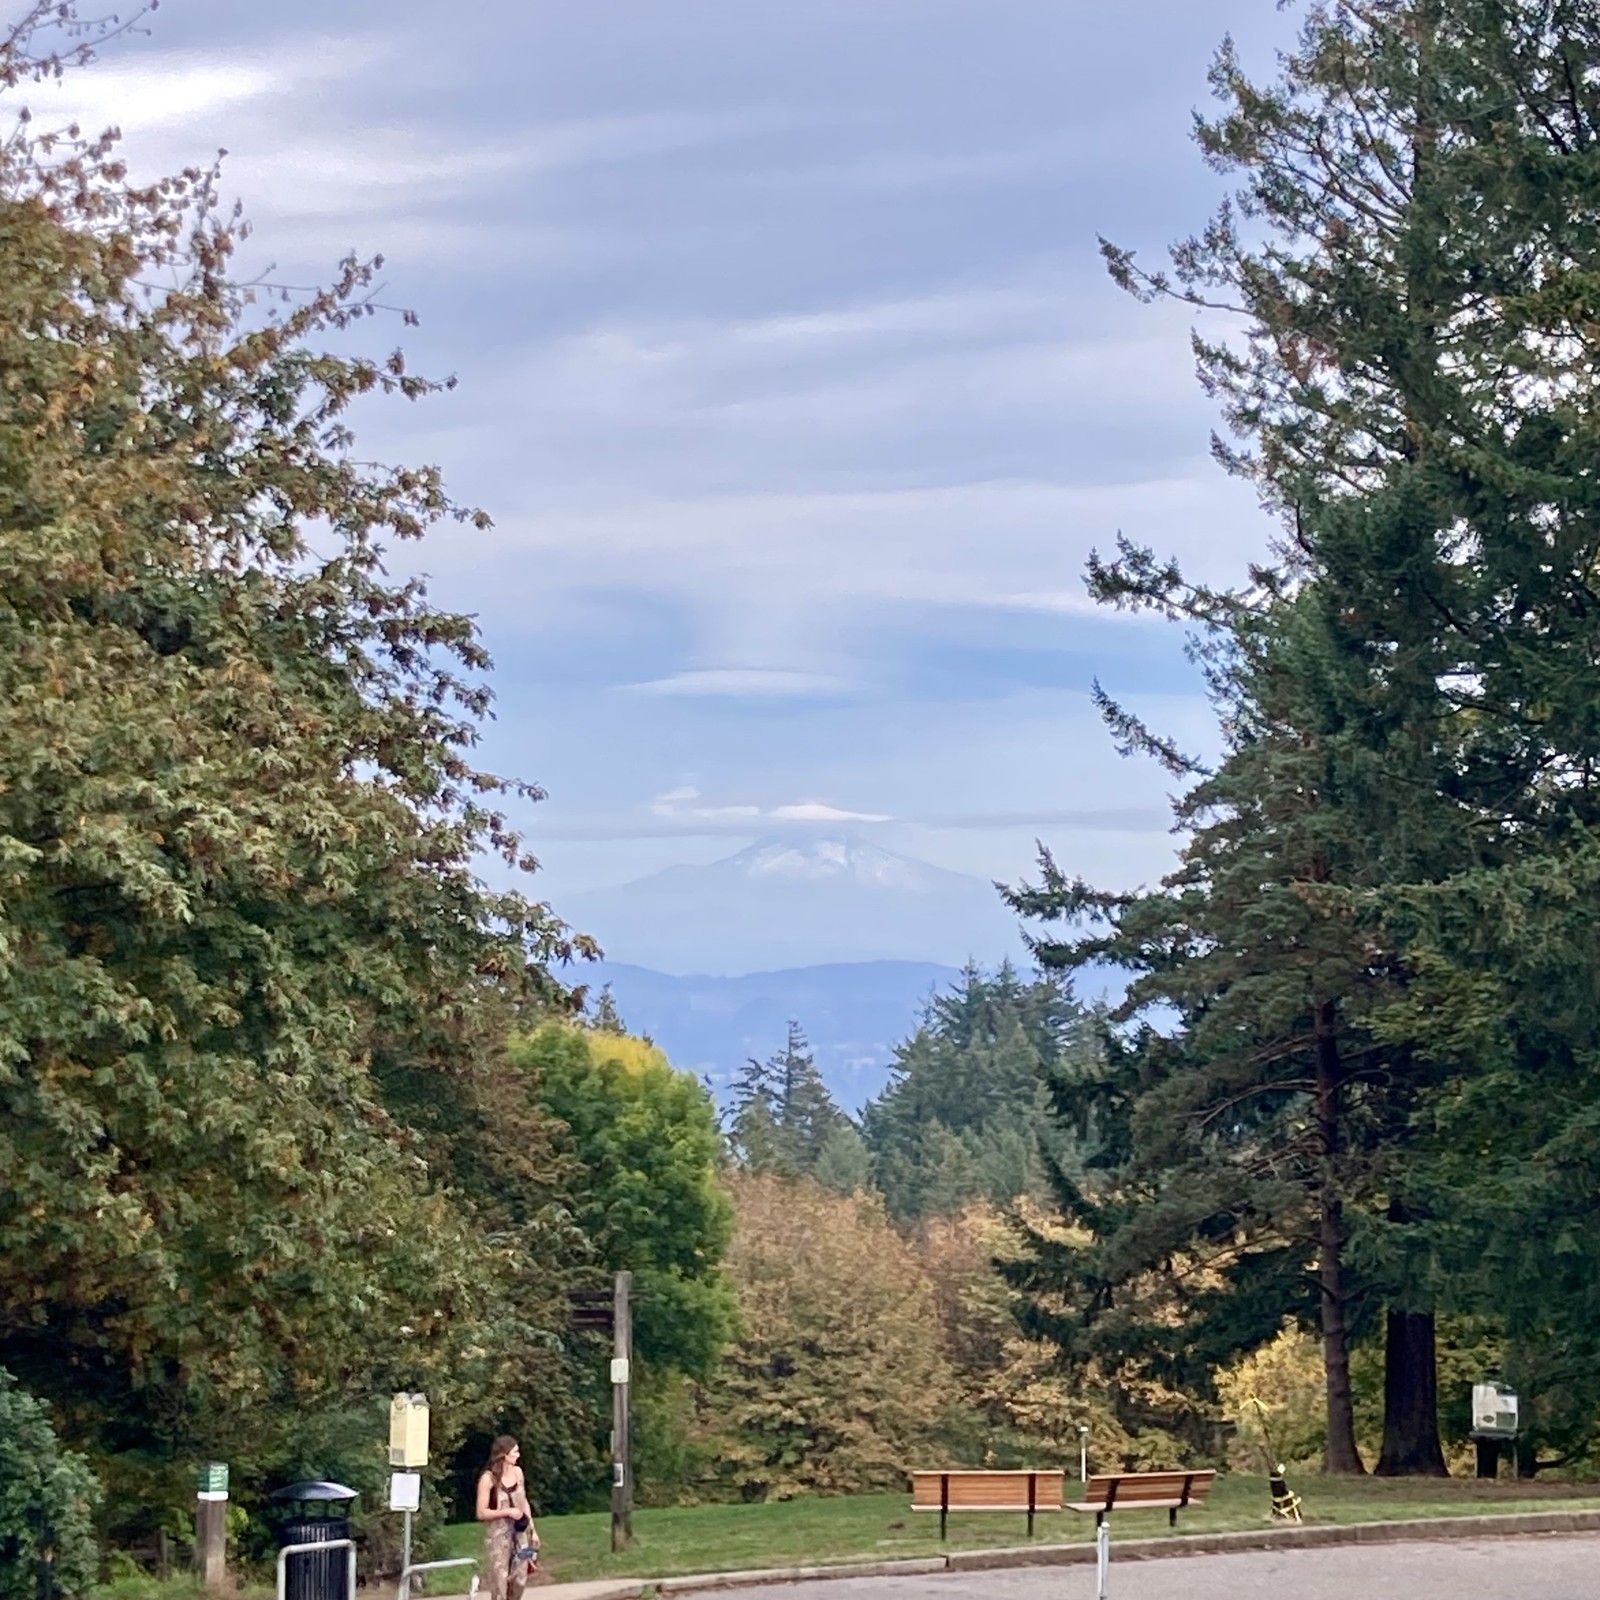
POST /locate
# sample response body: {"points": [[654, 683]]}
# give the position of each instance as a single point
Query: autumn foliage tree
{"points": [[837, 1378], [239, 829]]}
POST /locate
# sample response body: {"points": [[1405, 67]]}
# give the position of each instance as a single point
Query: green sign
{"points": [[213, 1478]]}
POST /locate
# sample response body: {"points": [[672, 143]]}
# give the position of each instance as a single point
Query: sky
{"points": [[788, 371]]}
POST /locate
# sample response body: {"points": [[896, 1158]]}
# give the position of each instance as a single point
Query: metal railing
{"points": [[323, 1546], [408, 1572]]}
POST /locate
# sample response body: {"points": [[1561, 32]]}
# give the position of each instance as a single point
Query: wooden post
{"points": [[211, 1527], [621, 1388], [211, 1541]]}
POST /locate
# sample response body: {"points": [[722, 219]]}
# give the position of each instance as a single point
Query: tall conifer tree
{"points": [[1415, 250]]}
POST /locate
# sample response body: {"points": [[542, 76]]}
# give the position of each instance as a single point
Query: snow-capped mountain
{"points": [[798, 902], [816, 860]]}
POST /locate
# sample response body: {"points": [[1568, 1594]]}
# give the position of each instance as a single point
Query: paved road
{"points": [[1532, 1567]]}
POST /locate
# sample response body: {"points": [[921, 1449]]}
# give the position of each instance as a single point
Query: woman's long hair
{"points": [[498, 1451]]}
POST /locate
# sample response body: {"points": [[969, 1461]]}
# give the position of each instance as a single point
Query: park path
{"points": [[1532, 1567]]}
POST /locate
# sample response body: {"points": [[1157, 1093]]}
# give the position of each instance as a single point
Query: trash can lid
{"points": [[317, 1489]]}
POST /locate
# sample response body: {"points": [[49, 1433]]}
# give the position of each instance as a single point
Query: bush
{"points": [[1277, 1393], [47, 1500]]}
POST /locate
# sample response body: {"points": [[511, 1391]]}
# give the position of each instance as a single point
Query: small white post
{"points": [[1083, 1452], [1102, 1558]]}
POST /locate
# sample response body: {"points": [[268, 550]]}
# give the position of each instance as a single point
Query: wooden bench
{"points": [[945, 1492], [1171, 1492]]}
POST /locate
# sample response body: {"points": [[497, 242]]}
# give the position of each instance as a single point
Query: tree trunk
{"points": [[1411, 1445], [1341, 1454]]}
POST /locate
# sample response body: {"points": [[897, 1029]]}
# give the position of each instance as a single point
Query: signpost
{"points": [[621, 1442], [1494, 1422], [211, 1526], [597, 1310], [408, 1449]]}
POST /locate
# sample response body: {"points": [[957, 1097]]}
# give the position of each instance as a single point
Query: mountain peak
{"points": [[813, 859], [798, 899]]}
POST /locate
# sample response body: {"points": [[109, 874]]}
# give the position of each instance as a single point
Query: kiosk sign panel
{"points": [[1494, 1411], [408, 1431]]}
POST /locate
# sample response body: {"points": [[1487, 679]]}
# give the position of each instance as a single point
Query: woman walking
{"points": [[511, 1543]]}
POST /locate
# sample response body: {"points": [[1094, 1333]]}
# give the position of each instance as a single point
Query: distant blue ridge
{"points": [[853, 1013]]}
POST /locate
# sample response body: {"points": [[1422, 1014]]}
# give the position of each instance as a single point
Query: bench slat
{"points": [[970, 1490], [986, 1491], [1152, 1491]]}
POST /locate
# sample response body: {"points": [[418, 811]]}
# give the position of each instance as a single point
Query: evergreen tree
{"points": [[1413, 184], [782, 1112], [843, 1164], [962, 1115], [605, 1017], [807, 1114], [753, 1136], [1244, 1116], [1413, 237]]}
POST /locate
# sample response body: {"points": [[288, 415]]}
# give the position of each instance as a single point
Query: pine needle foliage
{"points": [[1395, 318]]}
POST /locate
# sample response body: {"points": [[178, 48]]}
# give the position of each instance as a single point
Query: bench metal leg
{"points": [[1032, 1500], [1172, 1516], [944, 1503]]}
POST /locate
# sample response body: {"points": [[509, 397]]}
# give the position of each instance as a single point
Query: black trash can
{"points": [[317, 1513]]}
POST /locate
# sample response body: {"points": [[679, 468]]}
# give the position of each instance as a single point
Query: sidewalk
{"points": [[1310, 1536]]}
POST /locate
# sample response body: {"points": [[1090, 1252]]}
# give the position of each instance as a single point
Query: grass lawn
{"points": [[868, 1527]]}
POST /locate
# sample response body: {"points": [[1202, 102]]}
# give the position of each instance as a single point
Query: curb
{"points": [[908, 1566], [592, 1589], [1314, 1537]]}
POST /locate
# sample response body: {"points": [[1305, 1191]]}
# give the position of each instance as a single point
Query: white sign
{"points": [[619, 1369], [405, 1491], [1494, 1411]]}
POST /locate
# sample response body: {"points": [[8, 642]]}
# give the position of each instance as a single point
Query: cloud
{"points": [[149, 93], [683, 812], [681, 806], [665, 805], [749, 559], [820, 811], [677, 804], [321, 171], [744, 681], [746, 822]]}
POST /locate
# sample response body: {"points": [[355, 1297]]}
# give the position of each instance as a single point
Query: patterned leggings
{"points": [[504, 1578]]}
